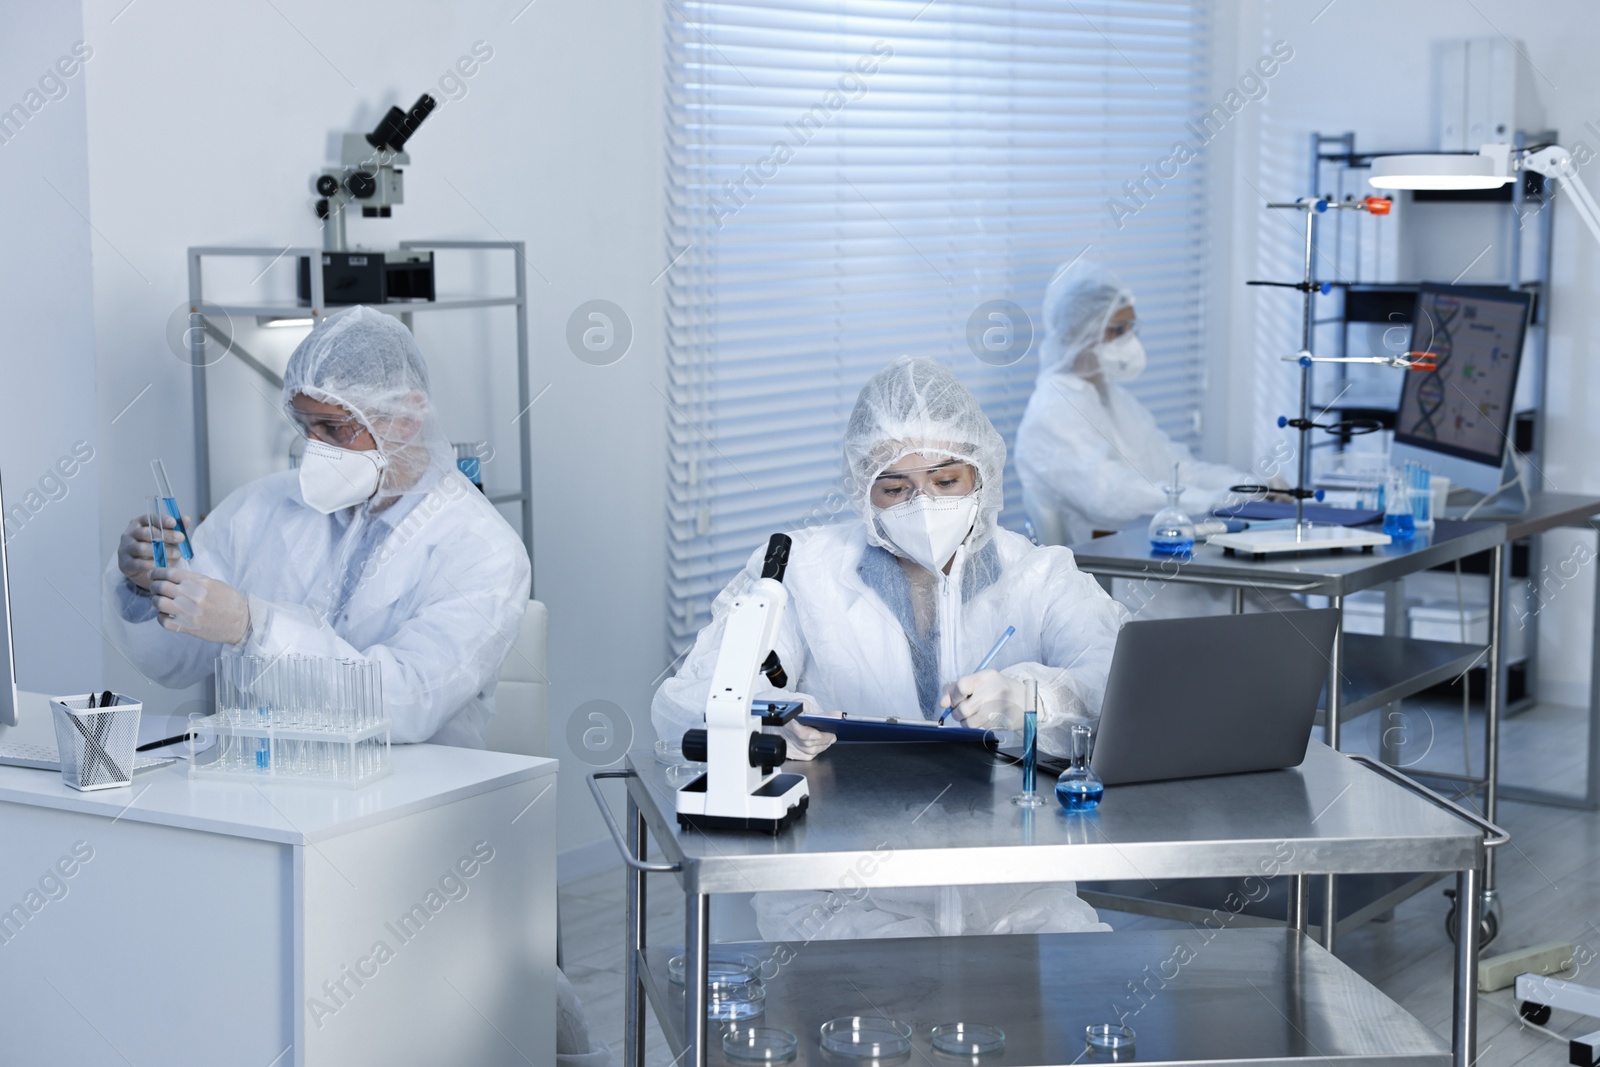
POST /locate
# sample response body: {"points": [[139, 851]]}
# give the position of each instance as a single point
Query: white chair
{"points": [[1048, 529], [521, 722]]}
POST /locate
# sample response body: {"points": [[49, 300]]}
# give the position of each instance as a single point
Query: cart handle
{"points": [[1496, 836], [616, 835]]}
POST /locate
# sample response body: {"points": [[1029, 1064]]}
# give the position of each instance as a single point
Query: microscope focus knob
{"points": [[766, 751], [361, 185], [694, 745], [327, 185]]}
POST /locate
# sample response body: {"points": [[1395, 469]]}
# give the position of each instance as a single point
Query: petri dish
{"points": [[866, 1037], [967, 1039], [669, 753], [1109, 1037], [720, 964], [681, 774], [759, 1044], [734, 999]]}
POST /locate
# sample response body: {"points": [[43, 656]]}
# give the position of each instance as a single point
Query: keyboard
{"points": [[44, 757]]}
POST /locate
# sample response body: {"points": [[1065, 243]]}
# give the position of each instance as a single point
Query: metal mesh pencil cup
{"points": [[95, 745], [297, 719]]}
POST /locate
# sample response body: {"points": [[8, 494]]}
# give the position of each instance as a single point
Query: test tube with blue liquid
{"points": [[152, 518], [1029, 797], [169, 504]]}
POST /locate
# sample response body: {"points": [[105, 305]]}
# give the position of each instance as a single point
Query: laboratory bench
{"points": [[183, 921], [1369, 672], [940, 814]]}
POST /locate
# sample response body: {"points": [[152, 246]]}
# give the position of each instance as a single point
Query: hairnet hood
{"points": [[916, 405], [1078, 305], [369, 363]]}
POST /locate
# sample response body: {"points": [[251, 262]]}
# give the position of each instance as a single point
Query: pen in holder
{"points": [[1029, 797], [96, 745]]}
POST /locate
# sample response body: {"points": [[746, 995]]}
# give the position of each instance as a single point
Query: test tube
{"points": [[158, 543], [169, 504]]}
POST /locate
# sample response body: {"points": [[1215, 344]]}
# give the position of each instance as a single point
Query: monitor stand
{"points": [[1510, 500]]}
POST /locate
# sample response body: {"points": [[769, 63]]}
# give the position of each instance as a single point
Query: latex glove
{"points": [[1279, 482], [987, 700], [191, 603], [806, 742], [135, 555]]}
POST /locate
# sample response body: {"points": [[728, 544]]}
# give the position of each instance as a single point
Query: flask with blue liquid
{"points": [[1172, 531], [1398, 522], [1079, 788]]}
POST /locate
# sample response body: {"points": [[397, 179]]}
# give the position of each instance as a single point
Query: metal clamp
{"points": [[1495, 835], [616, 835]]}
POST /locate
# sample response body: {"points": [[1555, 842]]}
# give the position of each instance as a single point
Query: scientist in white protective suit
{"points": [[1094, 457], [890, 612], [376, 548]]}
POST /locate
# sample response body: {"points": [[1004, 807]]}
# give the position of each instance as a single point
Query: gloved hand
{"points": [[191, 603], [987, 700], [805, 742], [135, 556]]}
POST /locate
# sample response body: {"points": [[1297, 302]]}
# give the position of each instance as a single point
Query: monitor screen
{"points": [[1464, 407]]}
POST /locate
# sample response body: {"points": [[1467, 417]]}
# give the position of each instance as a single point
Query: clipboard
{"points": [[857, 728]]}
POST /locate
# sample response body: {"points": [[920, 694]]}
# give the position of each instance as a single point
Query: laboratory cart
{"points": [[935, 815]]}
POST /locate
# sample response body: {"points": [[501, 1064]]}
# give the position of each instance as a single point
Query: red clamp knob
{"points": [[1377, 205]]}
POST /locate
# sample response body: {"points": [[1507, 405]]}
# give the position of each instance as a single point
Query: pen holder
{"points": [[95, 745]]}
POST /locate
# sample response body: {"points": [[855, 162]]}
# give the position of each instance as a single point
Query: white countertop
{"points": [[425, 776]]}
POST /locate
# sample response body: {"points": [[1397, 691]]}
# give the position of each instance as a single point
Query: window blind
{"points": [[847, 182]]}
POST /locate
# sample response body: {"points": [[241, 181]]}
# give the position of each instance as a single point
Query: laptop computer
{"points": [[1219, 694]]}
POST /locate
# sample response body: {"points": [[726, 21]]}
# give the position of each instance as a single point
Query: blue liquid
{"points": [[1400, 527], [1079, 796], [1173, 548], [158, 549], [171, 504]]}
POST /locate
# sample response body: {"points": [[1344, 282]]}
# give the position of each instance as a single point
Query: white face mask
{"points": [[335, 478], [1122, 360], [929, 529]]}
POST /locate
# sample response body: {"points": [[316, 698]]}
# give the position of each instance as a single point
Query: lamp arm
{"points": [[1556, 162]]}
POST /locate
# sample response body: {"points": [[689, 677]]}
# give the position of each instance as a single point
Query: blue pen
{"points": [[983, 664]]}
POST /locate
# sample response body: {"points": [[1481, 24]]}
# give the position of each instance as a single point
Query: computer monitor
{"points": [[8, 659], [1456, 419]]}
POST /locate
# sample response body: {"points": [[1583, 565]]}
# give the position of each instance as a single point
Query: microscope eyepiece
{"points": [[777, 560], [397, 126]]}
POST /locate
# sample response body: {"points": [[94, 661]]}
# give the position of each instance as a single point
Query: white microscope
{"points": [[740, 790]]}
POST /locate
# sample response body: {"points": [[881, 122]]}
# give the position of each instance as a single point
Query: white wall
{"points": [[207, 123], [1365, 65], [48, 404]]}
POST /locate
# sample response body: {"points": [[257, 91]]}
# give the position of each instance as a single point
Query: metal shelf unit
{"points": [[201, 327], [1337, 168]]}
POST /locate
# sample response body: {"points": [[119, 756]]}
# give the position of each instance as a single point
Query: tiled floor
{"points": [[1549, 883]]}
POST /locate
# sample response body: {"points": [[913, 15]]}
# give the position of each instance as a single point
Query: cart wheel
{"points": [[1488, 924], [1537, 1014]]}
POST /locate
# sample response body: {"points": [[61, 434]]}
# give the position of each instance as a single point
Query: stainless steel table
{"points": [[1548, 511], [932, 815], [1365, 672]]}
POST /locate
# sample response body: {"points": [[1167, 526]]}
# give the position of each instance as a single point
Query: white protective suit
{"points": [[851, 641], [1092, 453], [425, 577]]}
